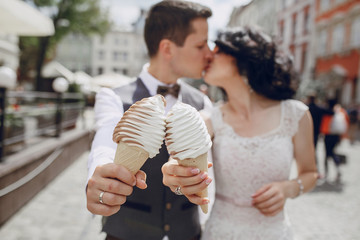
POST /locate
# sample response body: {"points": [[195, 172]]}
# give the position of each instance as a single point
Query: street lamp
{"points": [[60, 85], [7, 77], [7, 80]]}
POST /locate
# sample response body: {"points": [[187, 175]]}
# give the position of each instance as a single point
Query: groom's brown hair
{"points": [[171, 20]]}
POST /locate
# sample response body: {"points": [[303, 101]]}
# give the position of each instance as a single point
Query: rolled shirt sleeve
{"points": [[108, 112]]}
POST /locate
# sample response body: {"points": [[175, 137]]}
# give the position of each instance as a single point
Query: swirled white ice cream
{"points": [[188, 140], [186, 132], [143, 125]]}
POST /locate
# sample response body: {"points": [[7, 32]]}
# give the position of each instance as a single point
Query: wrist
{"points": [[298, 187]]}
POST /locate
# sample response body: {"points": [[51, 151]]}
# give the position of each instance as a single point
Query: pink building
{"points": [[296, 30]]}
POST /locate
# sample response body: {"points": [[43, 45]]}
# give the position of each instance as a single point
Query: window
{"points": [[338, 38], [321, 47], [281, 29], [100, 70], [324, 5], [339, 1], [294, 25], [306, 20], [101, 55], [116, 56], [298, 25], [355, 33], [125, 56], [303, 57]]}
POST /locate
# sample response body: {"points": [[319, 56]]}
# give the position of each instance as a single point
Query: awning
{"points": [[54, 69], [19, 18], [110, 80]]}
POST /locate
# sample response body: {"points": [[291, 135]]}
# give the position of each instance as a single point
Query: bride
{"points": [[256, 134]]}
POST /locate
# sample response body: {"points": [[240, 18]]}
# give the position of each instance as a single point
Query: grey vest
{"points": [[156, 211]]}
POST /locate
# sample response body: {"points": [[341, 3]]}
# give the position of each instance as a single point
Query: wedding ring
{"points": [[101, 197], [178, 191]]}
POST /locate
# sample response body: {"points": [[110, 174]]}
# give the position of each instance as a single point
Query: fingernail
{"points": [[206, 201], [195, 171], [134, 183], [203, 175], [208, 181]]}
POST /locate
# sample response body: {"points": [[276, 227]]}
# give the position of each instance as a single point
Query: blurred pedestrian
{"points": [[176, 35], [256, 134], [334, 127], [317, 113]]}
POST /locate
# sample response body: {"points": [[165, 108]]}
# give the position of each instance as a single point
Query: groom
{"points": [[176, 38]]}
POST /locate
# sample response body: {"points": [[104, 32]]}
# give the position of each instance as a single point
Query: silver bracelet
{"points": [[301, 186]]}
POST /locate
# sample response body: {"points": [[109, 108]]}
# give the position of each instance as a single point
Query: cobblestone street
{"points": [[331, 211]]}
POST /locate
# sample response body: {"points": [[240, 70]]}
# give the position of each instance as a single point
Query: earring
{"points": [[246, 81]]}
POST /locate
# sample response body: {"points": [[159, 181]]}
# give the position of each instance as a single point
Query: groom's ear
{"points": [[166, 48]]}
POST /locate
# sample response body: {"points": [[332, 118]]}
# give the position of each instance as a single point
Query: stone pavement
{"points": [[332, 210], [58, 212]]}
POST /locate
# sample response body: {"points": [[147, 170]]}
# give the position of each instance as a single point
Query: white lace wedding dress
{"points": [[243, 165]]}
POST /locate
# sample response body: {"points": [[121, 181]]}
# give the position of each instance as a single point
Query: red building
{"points": [[337, 62]]}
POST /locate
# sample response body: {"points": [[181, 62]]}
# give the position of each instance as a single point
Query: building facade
{"points": [[261, 13], [75, 53], [338, 48], [290, 22], [116, 52], [296, 32]]}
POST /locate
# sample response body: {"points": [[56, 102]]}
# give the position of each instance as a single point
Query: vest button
{"points": [[166, 227], [168, 206]]}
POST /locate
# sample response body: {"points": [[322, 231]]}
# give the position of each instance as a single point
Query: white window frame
{"points": [[355, 32], [321, 47], [338, 38]]}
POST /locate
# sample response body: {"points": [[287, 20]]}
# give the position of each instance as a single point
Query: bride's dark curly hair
{"points": [[269, 71]]}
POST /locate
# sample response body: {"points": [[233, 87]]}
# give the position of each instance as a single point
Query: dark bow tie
{"points": [[164, 90]]}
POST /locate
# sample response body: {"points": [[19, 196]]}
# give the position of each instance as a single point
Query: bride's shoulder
{"points": [[206, 116], [296, 104]]}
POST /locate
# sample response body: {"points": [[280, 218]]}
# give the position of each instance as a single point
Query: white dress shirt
{"points": [[108, 112]]}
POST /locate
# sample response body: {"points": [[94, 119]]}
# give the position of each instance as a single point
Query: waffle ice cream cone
{"points": [[133, 158], [140, 133], [188, 140], [200, 162]]}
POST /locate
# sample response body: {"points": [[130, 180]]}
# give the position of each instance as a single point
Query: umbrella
{"points": [[110, 80], [19, 18]]}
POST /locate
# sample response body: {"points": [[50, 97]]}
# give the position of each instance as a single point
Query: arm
{"points": [[270, 199], [105, 176]]}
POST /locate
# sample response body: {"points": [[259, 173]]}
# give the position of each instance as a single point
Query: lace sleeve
{"points": [[294, 111]]}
